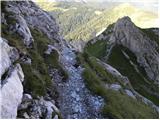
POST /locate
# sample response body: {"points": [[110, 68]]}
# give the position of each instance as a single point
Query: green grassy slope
{"points": [[138, 79], [117, 104], [136, 73], [37, 80]]}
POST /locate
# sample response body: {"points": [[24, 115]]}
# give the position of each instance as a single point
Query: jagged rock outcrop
{"points": [[8, 56], [38, 108], [77, 45], [20, 17], [11, 81], [27, 14], [128, 35], [23, 30], [125, 33], [11, 93], [129, 56]]}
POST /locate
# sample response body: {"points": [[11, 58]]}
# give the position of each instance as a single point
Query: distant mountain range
{"points": [[43, 76], [91, 19]]}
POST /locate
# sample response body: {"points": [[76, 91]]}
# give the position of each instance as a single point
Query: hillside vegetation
{"points": [[79, 21], [117, 103]]}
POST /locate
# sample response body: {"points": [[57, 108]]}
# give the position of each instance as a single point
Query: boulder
{"points": [[11, 81], [11, 93], [10, 54]]}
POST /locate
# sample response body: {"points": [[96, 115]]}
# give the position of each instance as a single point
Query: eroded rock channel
{"points": [[75, 100]]}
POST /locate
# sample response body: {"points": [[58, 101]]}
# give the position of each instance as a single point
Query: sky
{"points": [[149, 5], [145, 1]]}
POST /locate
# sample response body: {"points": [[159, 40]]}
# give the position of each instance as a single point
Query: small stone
{"points": [[129, 93], [55, 117], [53, 101], [55, 109], [115, 87], [27, 97], [73, 94], [77, 98], [77, 89], [26, 116]]}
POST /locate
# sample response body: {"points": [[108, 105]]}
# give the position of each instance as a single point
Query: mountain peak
{"points": [[125, 18], [126, 33], [124, 21]]}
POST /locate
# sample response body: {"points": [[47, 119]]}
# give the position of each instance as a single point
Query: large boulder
{"points": [[11, 81], [11, 92], [8, 55]]}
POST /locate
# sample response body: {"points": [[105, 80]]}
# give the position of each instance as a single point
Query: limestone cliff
{"points": [[12, 77], [145, 48], [19, 20]]}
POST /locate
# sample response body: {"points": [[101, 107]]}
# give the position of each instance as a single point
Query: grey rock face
{"points": [[115, 87], [129, 93], [78, 45], [8, 55], [38, 108], [29, 15], [11, 83], [3, 20], [128, 35], [23, 30], [11, 93]]}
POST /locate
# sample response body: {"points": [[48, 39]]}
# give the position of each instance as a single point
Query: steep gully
{"points": [[75, 100]]}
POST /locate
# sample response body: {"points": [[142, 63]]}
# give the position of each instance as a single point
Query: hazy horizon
{"points": [[149, 5]]}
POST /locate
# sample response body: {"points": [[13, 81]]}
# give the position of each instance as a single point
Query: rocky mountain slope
{"points": [[42, 76], [46, 62], [130, 51], [22, 23], [11, 80], [91, 29], [90, 19]]}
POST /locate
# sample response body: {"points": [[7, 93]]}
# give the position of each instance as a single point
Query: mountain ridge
{"points": [[95, 23], [125, 33], [111, 77]]}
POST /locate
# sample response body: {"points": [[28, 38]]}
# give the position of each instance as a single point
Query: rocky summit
{"points": [[44, 76]]}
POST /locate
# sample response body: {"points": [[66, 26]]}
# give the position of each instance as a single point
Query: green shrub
{"points": [[98, 49], [9, 16], [93, 82], [13, 38], [34, 83], [52, 59], [101, 71], [151, 34], [121, 106]]}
